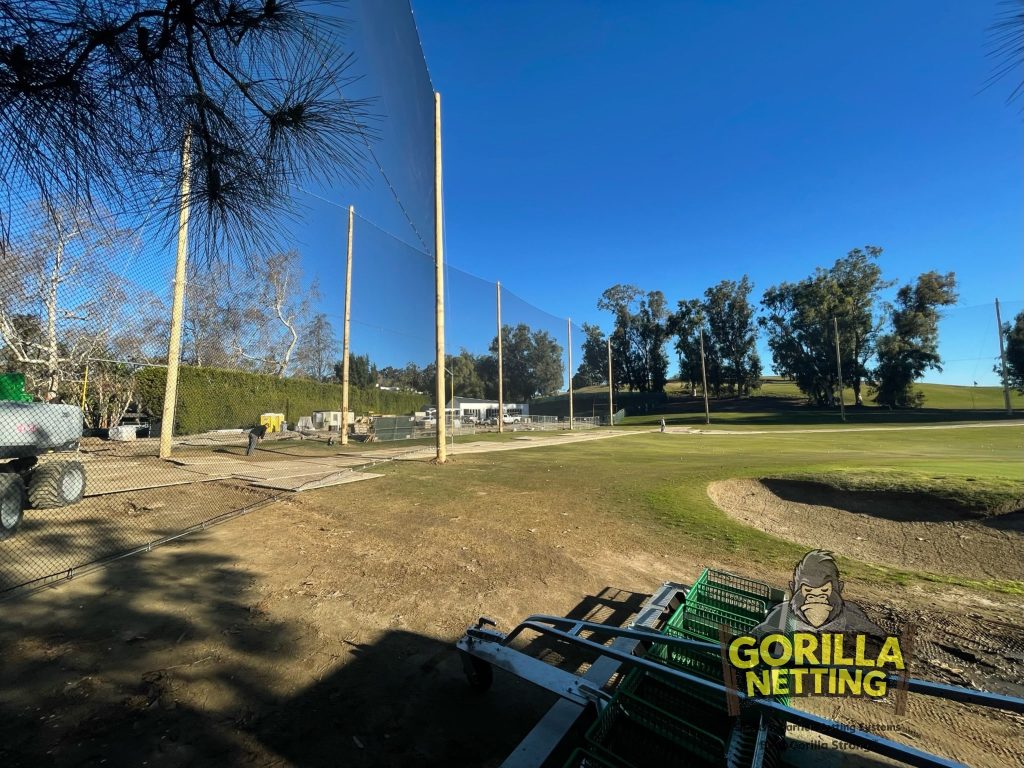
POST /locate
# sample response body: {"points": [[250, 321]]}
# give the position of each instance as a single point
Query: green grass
{"points": [[941, 396], [779, 403], [662, 480], [950, 396]]}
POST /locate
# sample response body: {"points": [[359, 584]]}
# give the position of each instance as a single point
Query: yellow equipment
{"points": [[272, 421]]}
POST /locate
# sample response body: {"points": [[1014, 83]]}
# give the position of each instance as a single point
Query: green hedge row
{"points": [[215, 398]]}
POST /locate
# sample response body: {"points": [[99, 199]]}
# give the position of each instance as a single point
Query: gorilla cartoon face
{"points": [[817, 604], [816, 588]]}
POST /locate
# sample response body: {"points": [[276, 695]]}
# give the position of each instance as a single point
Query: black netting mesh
{"points": [[89, 467]]}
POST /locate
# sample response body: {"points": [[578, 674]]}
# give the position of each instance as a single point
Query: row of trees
{"points": [[887, 345], [66, 305], [1013, 334], [531, 363]]}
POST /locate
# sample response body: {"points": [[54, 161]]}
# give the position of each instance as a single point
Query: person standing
{"points": [[663, 425], [255, 435]]}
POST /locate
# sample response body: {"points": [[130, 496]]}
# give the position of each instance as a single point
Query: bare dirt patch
{"points": [[884, 528], [53, 542]]}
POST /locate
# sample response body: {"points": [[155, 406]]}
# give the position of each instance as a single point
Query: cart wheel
{"points": [[479, 673], [12, 504], [56, 484]]}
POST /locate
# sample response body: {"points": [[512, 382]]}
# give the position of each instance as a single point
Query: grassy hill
{"points": [[779, 402]]}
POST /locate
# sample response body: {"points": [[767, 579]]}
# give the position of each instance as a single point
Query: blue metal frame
{"points": [[481, 643]]}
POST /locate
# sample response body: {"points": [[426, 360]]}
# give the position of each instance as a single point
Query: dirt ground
{"points": [[318, 631], [56, 541], [884, 528]]}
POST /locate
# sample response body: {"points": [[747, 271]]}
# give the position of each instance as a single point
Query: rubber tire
{"points": [[46, 487], [12, 504]]}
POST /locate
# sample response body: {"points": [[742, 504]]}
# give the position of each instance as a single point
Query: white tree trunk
{"points": [[280, 295]]}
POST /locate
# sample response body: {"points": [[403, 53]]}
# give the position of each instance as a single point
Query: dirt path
{"points": [[878, 528]]}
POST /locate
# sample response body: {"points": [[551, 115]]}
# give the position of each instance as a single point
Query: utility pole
{"points": [[442, 449], [345, 330], [1002, 363], [611, 389], [568, 323], [178, 301], [704, 379], [501, 377], [839, 371]]}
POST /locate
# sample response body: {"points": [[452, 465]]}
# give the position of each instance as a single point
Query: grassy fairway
{"points": [[942, 396], [780, 403], [663, 479]]}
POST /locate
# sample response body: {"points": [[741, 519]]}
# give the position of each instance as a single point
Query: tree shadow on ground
{"points": [[612, 606], [169, 660], [97, 673], [1010, 521], [404, 701], [901, 506], [53, 543]]}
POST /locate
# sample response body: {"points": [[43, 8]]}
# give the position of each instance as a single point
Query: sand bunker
{"points": [[887, 529]]}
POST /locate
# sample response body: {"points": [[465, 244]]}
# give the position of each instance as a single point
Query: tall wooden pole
{"points": [[442, 449], [501, 375], [178, 301], [345, 343], [85, 386], [839, 371], [704, 380], [1002, 362], [568, 323], [611, 388]]}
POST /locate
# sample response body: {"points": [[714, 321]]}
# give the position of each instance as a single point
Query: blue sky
{"points": [[675, 144]]}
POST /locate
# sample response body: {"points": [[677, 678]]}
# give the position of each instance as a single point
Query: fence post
{"points": [[345, 330], [611, 388], [839, 371], [501, 376], [178, 301], [442, 449], [704, 380], [569, 325], [1002, 363]]}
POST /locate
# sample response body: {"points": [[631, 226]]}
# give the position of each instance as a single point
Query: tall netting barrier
{"points": [[969, 348], [538, 353], [151, 385]]}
